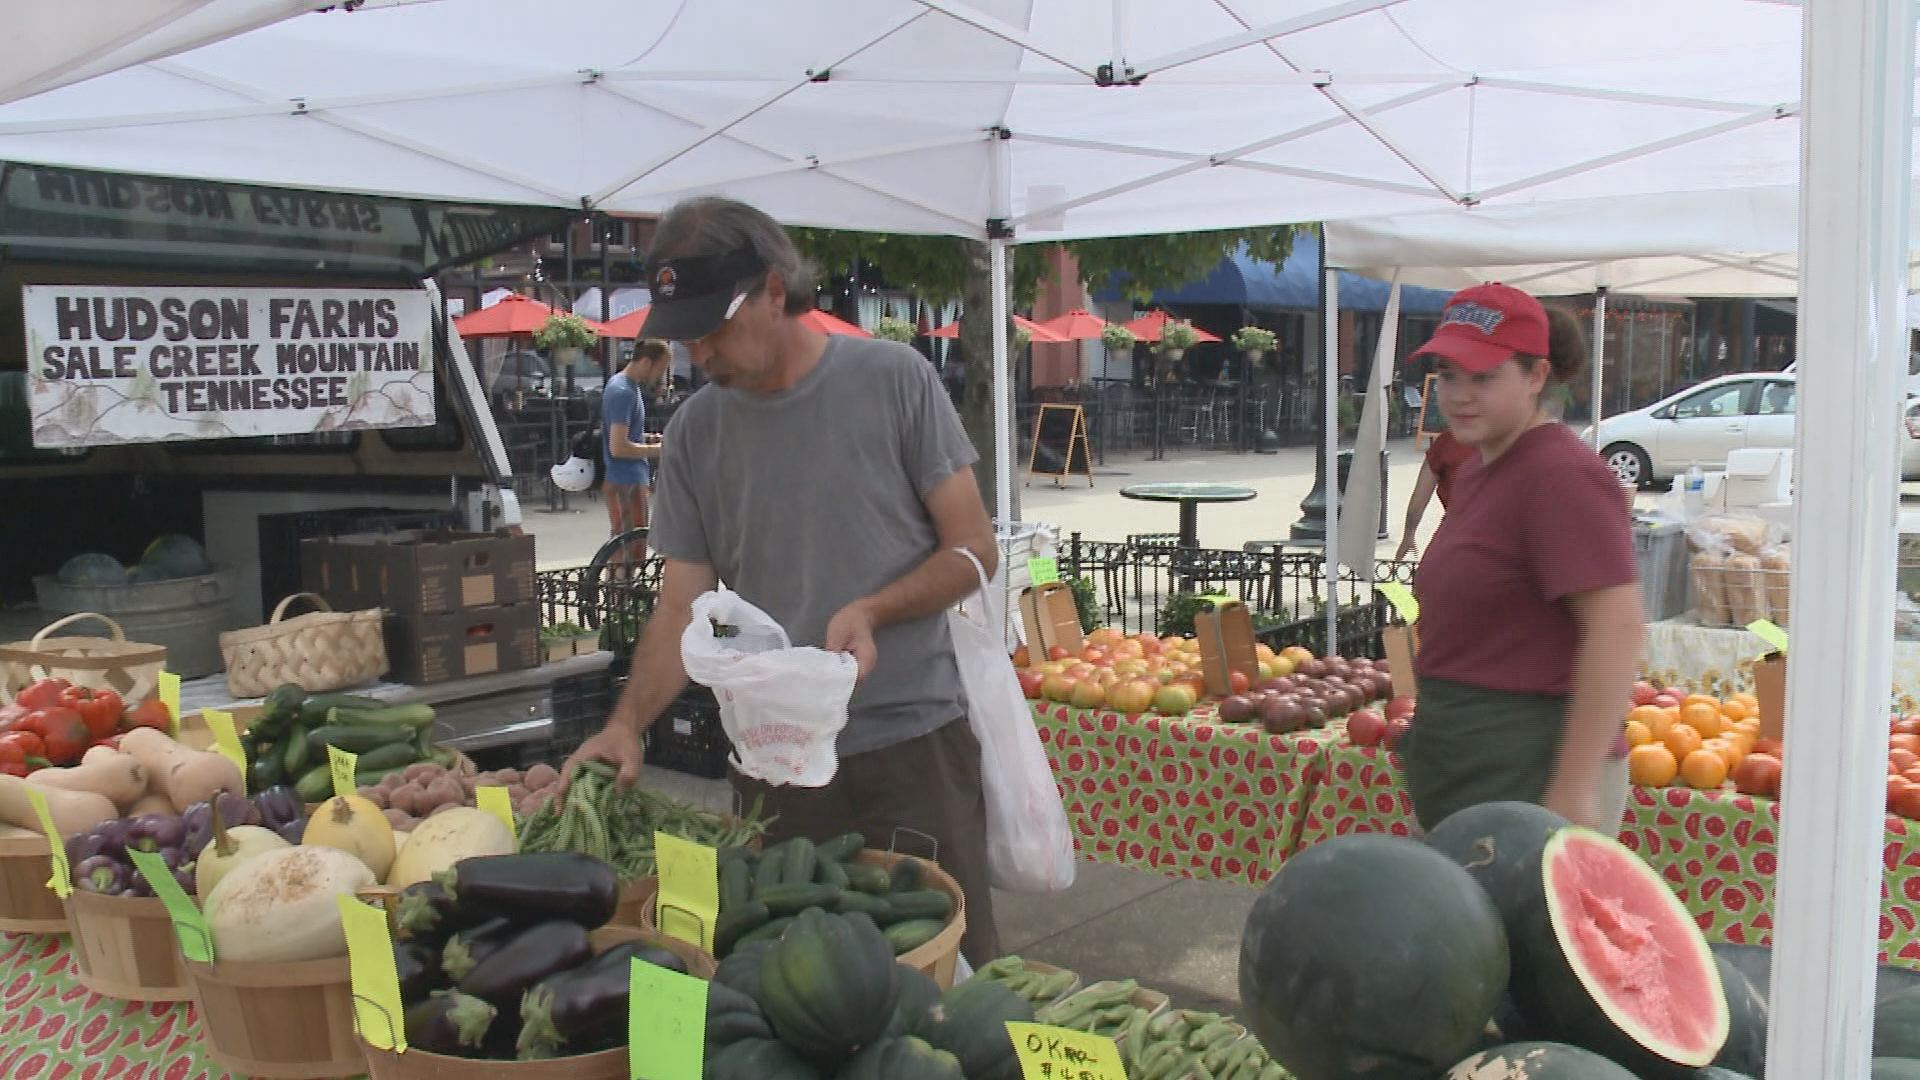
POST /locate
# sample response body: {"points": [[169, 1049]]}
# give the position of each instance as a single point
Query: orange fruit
{"points": [[1751, 725], [1638, 733], [1645, 714], [1703, 769], [1703, 718], [1747, 699], [1682, 740], [1651, 765], [1700, 699], [1735, 710], [1727, 751]]}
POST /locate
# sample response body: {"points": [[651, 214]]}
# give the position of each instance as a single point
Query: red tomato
{"points": [[150, 713]]}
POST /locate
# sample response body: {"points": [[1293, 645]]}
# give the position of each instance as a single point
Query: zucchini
{"points": [[920, 904], [404, 716], [358, 740], [793, 899], [842, 847], [737, 853], [736, 884], [873, 907], [736, 921], [910, 935], [293, 758], [315, 784], [831, 873], [797, 868], [905, 874], [869, 878], [767, 874], [392, 755], [766, 931], [313, 711]]}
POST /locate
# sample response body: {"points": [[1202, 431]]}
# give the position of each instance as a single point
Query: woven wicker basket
{"points": [[129, 668], [319, 651]]}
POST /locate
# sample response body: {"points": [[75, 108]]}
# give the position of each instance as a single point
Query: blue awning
{"points": [[1241, 280]]}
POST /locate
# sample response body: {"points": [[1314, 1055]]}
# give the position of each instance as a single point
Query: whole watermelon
{"points": [[176, 556], [1371, 957], [93, 570], [1537, 1061]]}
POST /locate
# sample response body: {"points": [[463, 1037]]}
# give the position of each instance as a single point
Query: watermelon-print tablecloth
{"points": [[1187, 797], [52, 1027], [1359, 791]]}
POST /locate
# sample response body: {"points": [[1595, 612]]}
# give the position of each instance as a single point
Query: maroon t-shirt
{"points": [[1544, 522], [1445, 456]]}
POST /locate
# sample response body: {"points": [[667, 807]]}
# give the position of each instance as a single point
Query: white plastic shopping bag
{"points": [[781, 706], [1029, 848]]}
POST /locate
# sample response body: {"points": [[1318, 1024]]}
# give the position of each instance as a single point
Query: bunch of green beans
{"points": [[615, 825]]}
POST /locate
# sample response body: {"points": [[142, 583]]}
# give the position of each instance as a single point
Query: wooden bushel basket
{"points": [[605, 1065], [129, 668], [124, 947], [320, 651], [27, 906], [279, 1020]]}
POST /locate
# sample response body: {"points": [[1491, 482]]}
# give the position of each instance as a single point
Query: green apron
{"points": [[1470, 745]]}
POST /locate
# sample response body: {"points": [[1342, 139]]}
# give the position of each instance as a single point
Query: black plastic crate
{"points": [[580, 707], [688, 737]]}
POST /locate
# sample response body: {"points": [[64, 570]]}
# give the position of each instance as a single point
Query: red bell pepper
{"points": [[11, 715], [65, 733], [98, 709], [41, 694], [31, 746], [151, 713]]}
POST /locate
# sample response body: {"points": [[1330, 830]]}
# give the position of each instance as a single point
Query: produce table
{"points": [[1719, 661], [52, 1027], [1186, 797]]}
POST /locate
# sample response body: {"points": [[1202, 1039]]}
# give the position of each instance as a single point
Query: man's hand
{"points": [[617, 745], [851, 631]]}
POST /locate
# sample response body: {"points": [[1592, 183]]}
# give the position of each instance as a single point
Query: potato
{"points": [[375, 794], [422, 771], [404, 799], [507, 777], [447, 791], [400, 820], [542, 775], [444, 807], [516, 793], [393, 781]]}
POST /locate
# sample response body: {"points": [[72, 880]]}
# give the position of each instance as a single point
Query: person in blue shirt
{"points": [[627, 452]]}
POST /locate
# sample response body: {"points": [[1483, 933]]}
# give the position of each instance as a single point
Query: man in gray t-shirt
{"points": [[827, 481]]}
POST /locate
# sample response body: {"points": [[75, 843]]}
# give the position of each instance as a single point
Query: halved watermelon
{"points": [[1371, 957], [1618, 967], [1537, 1061]]}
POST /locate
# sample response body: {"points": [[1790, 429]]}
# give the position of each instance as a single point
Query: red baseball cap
{"points": [[1487, 325]]}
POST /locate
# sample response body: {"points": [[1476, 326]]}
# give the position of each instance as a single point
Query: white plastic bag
{"points": [[782, 707], [1029, 849]]}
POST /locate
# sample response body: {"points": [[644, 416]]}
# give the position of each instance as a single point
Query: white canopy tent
{"points": [[1036, 120]]}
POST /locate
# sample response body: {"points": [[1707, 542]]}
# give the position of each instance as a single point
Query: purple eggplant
{"points": [[278, 806], [155, 832], [449, 1023], [535, 887], [466, 949], [534, 954], [570, 1012], [418, 967], [102, 874], [428, 913]]}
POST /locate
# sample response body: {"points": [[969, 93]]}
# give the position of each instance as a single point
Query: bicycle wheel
{"points": [[590, 601]]}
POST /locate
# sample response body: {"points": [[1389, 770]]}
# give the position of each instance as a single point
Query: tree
{"points": [[946, 268]]}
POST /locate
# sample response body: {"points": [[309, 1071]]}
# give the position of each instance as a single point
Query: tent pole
{"points": [[1330, 434], [1855, 168], [1599, 358], [1002, 421]]}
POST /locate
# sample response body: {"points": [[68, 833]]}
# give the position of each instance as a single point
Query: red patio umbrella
{"points": [[1076, 325], [1040, 334], [1148, 327], [628, 325], [513, 316], [828, 323]]}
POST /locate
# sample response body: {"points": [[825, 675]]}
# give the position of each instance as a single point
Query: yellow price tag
{"points": [[342, 763], [689, 900], [170, 697], [62, 880], [1217, 598], [666, 1024], [1051, 1053], [226, 739], [496, 801], [1401, 598], [189, 925], [1770, 633], [1043, 571], [372, 977]]}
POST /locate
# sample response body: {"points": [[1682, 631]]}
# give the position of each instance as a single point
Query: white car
{"points": [[1700, 424]]}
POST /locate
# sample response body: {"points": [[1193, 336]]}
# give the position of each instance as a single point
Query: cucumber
{"points": [[736, 921], [313, 711], [265, 771], [908, 936], [920, 904], [407, 716], [737, 853], [293, 759], [368, 778], [873, 907], [315, 784], [831, 873], [392, 755], [736, 884], [905, 874], [794, 899], [842, 847], [766, 931], [767, 874], [797, 869], [358, 740], [869, 878]]}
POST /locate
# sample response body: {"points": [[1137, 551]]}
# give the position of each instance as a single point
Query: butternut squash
{"points": [[184, 776], [72, 811]]}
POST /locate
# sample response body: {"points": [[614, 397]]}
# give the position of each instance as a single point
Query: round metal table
{"points": [[1189, 496]]}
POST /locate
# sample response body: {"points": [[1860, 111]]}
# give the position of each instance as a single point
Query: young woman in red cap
{"points": [[1530, 615]]}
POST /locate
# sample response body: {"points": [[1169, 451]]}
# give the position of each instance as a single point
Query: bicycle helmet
{"points": [[574, 474]]}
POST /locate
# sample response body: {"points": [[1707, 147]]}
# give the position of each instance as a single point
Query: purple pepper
{"points": [[198, 821], [185, 877], [293, 831], [139, 884], [151, 832], [83, 846], [279, 805], [236, 810], [100, 874], [173, 857], [113, 837]]}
